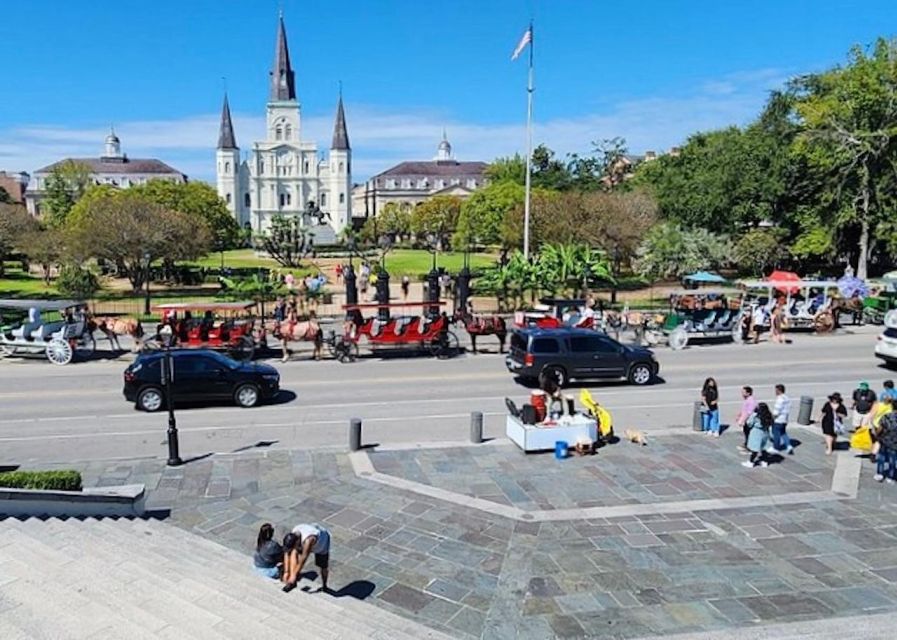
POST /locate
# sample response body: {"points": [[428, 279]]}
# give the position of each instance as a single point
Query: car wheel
{"points": [[246, 395], [641, 374], [150, 399], [558, 374]]}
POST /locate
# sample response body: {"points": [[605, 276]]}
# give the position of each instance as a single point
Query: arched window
{"points": [[341, 165], [289, 198], [288, 132], [323, 199], [227, 198], [247, 201], [305, 170], [227, 167], [278, 133], [282, 199], [342, 198]]}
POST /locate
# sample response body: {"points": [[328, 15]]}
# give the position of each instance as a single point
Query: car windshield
{"points": [[890, 333], [221, 359]]}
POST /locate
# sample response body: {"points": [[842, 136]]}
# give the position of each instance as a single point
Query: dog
{"points": [[636, 436]]}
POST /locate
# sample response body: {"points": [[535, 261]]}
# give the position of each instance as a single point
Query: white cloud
{"points": [[380, 138]]}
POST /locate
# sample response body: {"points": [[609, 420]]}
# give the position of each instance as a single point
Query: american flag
{"points": [[525, 40]]}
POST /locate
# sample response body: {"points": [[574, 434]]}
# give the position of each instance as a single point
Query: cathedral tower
{"points": [[340, 170], [228, 169]]}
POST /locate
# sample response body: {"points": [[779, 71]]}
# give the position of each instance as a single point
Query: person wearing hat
{"points": [[863, 400], [833, 413]]}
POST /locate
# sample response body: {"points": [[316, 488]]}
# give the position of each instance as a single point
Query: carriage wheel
{"points": [[445, 345], [891, 319], [737, 335], [678, 338], [345, 350], [243, 349], [651, 338], [59, 351], [6, 350], [824, 322], [872, 316]]}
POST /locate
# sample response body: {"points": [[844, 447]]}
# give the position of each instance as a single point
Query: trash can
{"points": [[561, 449], [697, 418], [804, 415]]}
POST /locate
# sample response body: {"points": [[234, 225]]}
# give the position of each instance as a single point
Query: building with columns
{"points": [[410, 183], [114, 168], [284, 174]]}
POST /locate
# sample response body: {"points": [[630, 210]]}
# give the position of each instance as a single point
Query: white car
{"points": [[886, 347]]}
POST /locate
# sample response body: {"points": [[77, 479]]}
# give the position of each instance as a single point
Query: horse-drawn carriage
{"points": [[698, 314], [429, 331], [554, 313], [222, 326], [59, 329], [881, 308], [804, 304]]}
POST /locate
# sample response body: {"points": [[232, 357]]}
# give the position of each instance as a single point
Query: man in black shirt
{"points": [[863, 400]]}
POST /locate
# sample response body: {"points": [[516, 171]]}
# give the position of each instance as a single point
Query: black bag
{"points": [[528, 414]]}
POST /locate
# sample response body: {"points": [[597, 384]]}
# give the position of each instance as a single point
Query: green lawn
{"points": [[236, 259], [418, 262], [18, 284]]}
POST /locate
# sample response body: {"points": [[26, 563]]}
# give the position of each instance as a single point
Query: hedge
{"points": [[46, 480]]}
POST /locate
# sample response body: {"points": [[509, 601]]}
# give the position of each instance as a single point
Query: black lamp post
{"points": [[146, 302], [174, 456], [433, 277]]}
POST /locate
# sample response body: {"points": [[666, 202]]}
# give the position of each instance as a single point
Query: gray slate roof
{"points": [[118, 165], [226, 138], [432, 168], [283, 80], [340, 135]]}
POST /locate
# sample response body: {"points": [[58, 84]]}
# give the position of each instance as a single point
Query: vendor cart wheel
{"points": [[59, 351], [678, 338], [243, 349], [345, 351], [824, 322], [891, 319], [445, 345]]}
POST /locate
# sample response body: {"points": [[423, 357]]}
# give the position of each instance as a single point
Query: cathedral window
{"points": [[289, 198], [341, 165], [323, 199], [247, 200], [342, 198], [283, 199], [278, 133], [288, 132], [227, 167], [227, 198], [305, 168]]}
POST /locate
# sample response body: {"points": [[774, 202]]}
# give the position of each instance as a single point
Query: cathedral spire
{"points": [[282, 77], [226, 138], [340, 134]]}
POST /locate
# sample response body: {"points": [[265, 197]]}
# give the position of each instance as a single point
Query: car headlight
{"points": [[271, 376]]}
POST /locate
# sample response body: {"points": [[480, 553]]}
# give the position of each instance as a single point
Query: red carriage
{"points": [[223, 326], [428, 331], [554, 313]]}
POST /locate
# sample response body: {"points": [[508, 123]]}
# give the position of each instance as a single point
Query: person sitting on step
{"points": [[268, 553]]}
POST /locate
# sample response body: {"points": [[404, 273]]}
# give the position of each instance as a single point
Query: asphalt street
{"points": [[77, 412]]}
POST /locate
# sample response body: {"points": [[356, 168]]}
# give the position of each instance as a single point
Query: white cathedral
{"points": [[283, 174]]}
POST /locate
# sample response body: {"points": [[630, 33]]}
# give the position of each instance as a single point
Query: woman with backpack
{"points": [[759, 423]]}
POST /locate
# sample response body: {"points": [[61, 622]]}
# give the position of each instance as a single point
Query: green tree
{"points": [[758, 251], [670, 250], [75, 281], [286, 241], [438, 215], [482, 214], [849, 116], [200, 201], [507, 169], [5, 198], [14, 224], [65, 185], [44, 247]]}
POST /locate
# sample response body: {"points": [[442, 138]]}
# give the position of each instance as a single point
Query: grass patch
{"points": [[418, 262], [42, 480], [235, 259], [18, 284]]}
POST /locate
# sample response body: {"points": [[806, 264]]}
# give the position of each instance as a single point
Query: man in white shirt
{"points": [[304, 540], [780, 413]]}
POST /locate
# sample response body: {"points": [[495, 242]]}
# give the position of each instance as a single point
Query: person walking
{"points": [[758, 424], [406, 286], [268, 553], [300, 543], [833, 415], [748, 406], [781, 410], [864, 400], [710, 400], [776, 323], [888, 391], [339, 271], [886, 441]]}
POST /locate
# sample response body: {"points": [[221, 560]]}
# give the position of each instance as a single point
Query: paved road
{"points": [[77, 412]]}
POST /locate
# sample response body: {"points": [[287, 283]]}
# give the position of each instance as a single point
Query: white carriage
{"points": [[58, 329]]}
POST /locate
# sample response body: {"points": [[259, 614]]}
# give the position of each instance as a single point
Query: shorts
{"points": [[862, 419], [322, 560]]}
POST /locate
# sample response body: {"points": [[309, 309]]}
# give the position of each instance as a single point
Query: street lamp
{"points": [[146, 302], [174, 457]]}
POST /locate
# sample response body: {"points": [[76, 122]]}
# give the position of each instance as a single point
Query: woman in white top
{"points": [[304, 540]]}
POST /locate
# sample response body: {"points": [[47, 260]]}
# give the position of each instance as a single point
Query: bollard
{"points": [[355, 434], [697, 419], [805, 413], [476, 427]]}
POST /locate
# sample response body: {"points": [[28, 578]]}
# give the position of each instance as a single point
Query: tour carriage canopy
{"points": [[704, 277], [202, 307]]}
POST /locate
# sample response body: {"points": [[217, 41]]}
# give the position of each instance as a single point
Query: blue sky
{"points": [[651, 71]]}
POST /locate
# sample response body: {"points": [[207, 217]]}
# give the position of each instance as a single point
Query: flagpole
{"points": [[529, 145]]}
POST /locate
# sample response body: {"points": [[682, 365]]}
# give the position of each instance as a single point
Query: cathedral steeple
{"points": [[283, 81], [340, 134], [226, 138]]}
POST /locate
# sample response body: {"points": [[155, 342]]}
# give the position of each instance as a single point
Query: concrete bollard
{"points": [[805, 413], [697, 419], [355, 434], [476, 427]]}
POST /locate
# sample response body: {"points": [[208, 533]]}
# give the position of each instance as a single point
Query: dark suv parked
{"points": [[577, 353], [199, 375]]}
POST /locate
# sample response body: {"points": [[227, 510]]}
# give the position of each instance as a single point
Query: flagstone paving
{"points": [[475, 574]]}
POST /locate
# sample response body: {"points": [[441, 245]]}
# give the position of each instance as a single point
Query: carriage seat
{"points": [[402, 324], [34, 323], [724, 321], [46, 331], [376, 327]]}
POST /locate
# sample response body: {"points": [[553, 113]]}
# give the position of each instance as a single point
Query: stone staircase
{"points": [[142, 578]]}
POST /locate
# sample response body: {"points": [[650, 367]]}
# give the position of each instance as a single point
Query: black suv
{"points": [[577, 353], [199, 375]]}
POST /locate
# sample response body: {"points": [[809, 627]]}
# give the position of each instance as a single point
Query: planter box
{"points": [[536, 438], [125, 500]]}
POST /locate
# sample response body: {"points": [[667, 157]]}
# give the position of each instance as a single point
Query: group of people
{"points": [[285, 561], [765, 428]]}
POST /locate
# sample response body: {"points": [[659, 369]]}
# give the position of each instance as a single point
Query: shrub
{"points": [[45, 480], [77, 282]]}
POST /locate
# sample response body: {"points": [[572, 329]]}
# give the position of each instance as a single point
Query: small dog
{"points": [[636, 436]]}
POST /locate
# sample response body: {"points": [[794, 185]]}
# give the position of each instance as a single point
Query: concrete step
{"points": [[149, 579]]}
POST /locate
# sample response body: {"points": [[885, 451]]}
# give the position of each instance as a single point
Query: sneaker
{"points": [[889, 480], [772, 450], [790, 451], [716, 434], [878, 477], [764, 463], [748, 464]]}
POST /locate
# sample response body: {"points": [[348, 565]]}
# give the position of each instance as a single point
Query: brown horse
{"points": [[298, 331], [851, 306], [483, 326], [112, 327]]}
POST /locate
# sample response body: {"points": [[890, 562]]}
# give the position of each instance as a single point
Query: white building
{"points": [[284, 174], [410, 183], [113, 168]]}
